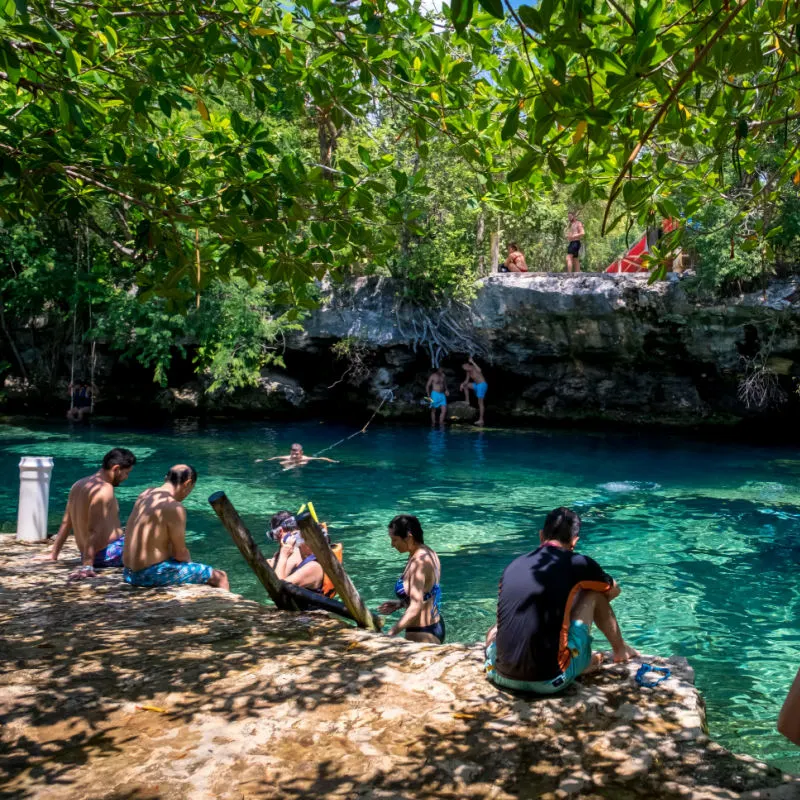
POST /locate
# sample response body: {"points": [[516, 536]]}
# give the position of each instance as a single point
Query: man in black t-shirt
{"points": [[547, 603]]}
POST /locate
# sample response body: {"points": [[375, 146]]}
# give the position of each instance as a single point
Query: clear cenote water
{"points": [[703, 538]]}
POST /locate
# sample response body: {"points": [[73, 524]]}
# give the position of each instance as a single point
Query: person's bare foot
{"points": [[595, 664], [480, 423], [623, 654]]}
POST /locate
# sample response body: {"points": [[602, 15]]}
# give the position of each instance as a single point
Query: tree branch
{"points": [[699, 58]]}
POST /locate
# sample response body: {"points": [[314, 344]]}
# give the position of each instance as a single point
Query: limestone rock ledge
{"points": [[112, 692]]}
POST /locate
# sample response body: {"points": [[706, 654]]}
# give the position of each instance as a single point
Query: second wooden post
{"points": [[315, 539]]}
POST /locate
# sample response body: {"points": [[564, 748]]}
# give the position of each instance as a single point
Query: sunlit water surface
{"points": [[704, 538]]}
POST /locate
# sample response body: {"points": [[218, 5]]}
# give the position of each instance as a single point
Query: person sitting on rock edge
{"points": [[789, 719], [516, 260], [92, 512], [547, 602], [155, 551]]}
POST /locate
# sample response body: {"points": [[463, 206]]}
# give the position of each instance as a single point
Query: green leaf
{"points": [[511, 124], [557, 166], [524, 168], [73, 60], [22, 9], [531, 17], [460, 14], [165, 105], [348, 168], [493, 7]]}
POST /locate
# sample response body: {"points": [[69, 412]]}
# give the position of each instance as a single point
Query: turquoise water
{"points": [[703, 538]]}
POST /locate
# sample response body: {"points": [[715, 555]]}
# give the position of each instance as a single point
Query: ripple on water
{"points": [[705, 542]]}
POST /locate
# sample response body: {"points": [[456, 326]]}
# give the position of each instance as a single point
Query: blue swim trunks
{"points": [[438, 399], [580, 644], [479, 389], [168, 573], [110, 556]]}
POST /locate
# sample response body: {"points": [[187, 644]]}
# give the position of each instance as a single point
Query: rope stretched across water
{"points": [[388, 394]]}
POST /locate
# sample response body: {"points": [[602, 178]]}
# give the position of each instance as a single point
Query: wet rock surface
{"points": [[113, 692]]}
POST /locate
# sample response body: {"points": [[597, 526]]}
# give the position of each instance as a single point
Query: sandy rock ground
{"points": [[112, 692]]}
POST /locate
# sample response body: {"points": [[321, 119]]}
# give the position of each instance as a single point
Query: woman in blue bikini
{"points": [[417, 589]]}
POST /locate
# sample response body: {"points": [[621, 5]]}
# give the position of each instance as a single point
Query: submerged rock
{"points": [[110, 692]]}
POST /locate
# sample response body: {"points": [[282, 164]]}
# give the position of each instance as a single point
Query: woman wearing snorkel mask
{"points": [[294, 562]]}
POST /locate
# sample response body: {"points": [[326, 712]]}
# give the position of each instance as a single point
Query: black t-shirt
{"points": [[533, 610]]}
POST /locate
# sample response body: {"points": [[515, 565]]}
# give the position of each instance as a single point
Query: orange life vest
{"points": [[328, 588]]}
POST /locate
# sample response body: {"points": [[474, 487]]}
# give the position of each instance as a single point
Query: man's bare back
{"points": [[475, 373], [155, 537], [92, 505], [92, 511], [156, 514]]}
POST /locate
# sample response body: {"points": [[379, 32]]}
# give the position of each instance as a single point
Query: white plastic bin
{"points": [[34, 498]]}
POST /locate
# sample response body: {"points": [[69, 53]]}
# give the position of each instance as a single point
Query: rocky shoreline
{"points": [[111, 692]]}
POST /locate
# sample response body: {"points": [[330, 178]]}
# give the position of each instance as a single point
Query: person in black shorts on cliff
{"points": [[547, 603], [574, 233]]}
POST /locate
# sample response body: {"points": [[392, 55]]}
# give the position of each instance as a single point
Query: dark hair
{"points": [[562, 525], [404, 524], [279, 517], [177, 477], [119, 457], [513, 245]]}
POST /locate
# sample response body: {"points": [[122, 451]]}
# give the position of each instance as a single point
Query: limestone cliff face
{"points": [[570, 347], [553, 347]]}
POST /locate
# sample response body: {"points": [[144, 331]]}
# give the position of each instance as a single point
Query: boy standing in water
{"points": [[436, 388], [474, 380]]}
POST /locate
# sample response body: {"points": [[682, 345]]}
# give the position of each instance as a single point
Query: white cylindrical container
{"points": [[34, 498]]}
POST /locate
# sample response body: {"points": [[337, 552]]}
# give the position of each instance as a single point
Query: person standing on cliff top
{"points": [[546, 605], [155, 551], [574, 233], [93, 514], [474, 380], [436, 388]]}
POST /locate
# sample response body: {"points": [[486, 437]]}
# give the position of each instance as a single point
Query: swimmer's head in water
{"points": [[296, 450], [118, 462], [401, 528], [183, 478], [562, 525]]}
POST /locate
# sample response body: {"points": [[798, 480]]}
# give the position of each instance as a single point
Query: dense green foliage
{"points": [[174, 178]]}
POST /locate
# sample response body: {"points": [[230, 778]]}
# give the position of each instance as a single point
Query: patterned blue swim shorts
{"points": [[168, 573], [110, 556]]}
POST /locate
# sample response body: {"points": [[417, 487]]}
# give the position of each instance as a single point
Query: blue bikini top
{"points": [[434, 594]]}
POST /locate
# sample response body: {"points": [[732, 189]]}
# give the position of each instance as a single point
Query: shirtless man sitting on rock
{"points": [[547, 603], [93, 513], [155, 542]]}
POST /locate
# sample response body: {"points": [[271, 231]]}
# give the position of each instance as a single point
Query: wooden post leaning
{"points": [[315, 539], [243, 539]]}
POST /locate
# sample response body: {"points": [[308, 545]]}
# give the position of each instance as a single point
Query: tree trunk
{"points": [[11, 343], [480, 235]]}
